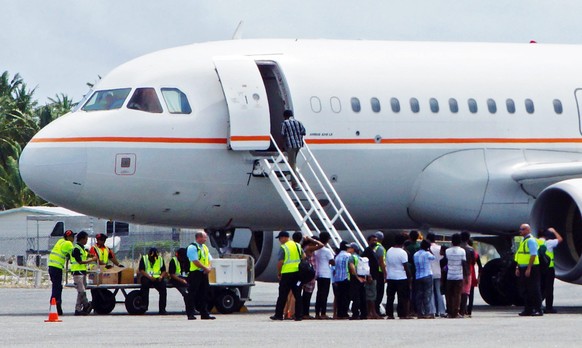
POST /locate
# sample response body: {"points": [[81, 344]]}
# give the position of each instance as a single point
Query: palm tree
{"points": [[13, 191]]}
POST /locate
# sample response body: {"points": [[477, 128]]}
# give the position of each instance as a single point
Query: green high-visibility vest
{"points": [[59, 253], [522, 255], [76, 266], [292, 257]]}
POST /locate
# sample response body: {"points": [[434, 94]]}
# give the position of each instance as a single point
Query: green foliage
{"points": [[20, 119]]}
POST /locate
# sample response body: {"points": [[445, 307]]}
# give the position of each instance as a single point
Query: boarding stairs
{"points": [[303, 204]]}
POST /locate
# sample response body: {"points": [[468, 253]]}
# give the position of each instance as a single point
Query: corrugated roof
{"points": [[41, 211]]}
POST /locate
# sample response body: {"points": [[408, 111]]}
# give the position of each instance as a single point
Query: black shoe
{"points": [[163, 312], [298, 319], [274, 317], [207, 317], [525, 314], [537, 314], [59, 310], [191, 317], [80, 313], [550, 311], [87, 309]]}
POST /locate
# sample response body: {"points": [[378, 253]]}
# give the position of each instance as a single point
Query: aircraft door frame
{"points": [[578, 96], [247, 102]]}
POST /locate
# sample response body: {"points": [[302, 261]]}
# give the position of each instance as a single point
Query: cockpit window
{"points": [[106, 100], [176, 101], [145, 99]]}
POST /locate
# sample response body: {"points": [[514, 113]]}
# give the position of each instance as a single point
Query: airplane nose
{"points": [[54, 171]]}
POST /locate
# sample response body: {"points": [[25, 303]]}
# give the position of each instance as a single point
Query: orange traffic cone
{"points": [[53, 315]]}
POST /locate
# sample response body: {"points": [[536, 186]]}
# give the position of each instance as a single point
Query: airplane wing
{"points": [[535, 177]]}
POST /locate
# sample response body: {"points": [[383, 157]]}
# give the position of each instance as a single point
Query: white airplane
{"points": [[473, 136]]}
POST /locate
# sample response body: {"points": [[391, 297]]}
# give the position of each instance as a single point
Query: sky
{"points": [[59, 46]]}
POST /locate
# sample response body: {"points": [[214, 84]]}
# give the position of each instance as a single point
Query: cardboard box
{"points": [[114, 275]]}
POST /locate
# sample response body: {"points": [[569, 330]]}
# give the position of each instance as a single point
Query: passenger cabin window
{"points": [[434, 105], [529, 106], [145, 99], [414, 105], [315, 104], [336, 104], [395, 105], [558, 106], [491, 106], [510, 106], [356, 106], [453, 105], [375, 103], [472, 105], [110, 99], [176, 101]]}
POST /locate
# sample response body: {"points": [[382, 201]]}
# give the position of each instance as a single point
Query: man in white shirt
{"points": [[551, 239], [438, 303], [324, 259], [398, 279], [456, 273]]}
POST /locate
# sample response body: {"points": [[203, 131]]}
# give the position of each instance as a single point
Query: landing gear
{"points": [[498, 284]]}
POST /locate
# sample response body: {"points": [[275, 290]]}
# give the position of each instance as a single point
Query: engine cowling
{"points": [[560, 206]]}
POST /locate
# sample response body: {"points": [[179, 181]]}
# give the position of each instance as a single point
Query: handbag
{"points": [[306, 270]]}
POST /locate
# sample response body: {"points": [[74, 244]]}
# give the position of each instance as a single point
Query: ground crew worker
{"points": [[79, 261], [528, 272], [153, 275], [104, 254], [551, 240], [198, 284], [178, 269], [289, 256], [56, 264]]}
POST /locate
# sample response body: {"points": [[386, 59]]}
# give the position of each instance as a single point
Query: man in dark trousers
{"points": [[293, 131], [290, 255], [528, 272], [198, 285]]}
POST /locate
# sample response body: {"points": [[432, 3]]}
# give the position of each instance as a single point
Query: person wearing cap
{"points": [[293, 131], [198, 283], [357, 279], [60, 252], [289, 256], [79, 261], [153, 275], [103, 253], [376, 253], [550, 238], [178, 270]]}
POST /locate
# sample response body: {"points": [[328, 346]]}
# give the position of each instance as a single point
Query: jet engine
{"points": [[559, 206]]}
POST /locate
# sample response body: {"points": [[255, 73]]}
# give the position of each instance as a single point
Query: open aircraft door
{"points": [[248, 106]]}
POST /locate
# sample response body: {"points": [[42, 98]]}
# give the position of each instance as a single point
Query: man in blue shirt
{"points": [[341, 282], [198, 285], [528, 272], [422, 261]]}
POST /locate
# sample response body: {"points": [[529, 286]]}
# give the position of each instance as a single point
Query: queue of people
{"points": [[412, 272], [188, 272]]}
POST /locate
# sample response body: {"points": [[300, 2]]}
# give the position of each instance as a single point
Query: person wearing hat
{"points": [[293, 131], [375, 252], [153, 275], [79, 261], [290, 255], [60, 252], [104, 253]]}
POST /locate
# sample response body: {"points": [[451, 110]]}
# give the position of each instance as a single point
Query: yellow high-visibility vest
{"points": [[522, 255], [292, 257]]}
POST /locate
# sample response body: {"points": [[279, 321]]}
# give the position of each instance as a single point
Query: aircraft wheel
{"points": [[104, 302], [133, 303], [227, 301], [498, 284]]}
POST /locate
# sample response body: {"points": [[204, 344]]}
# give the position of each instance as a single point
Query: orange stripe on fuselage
{"points": [[250, 138], [131, 140], [312, 141]]}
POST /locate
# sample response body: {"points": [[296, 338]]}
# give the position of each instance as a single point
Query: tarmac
{"points": [[23, 311]]}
